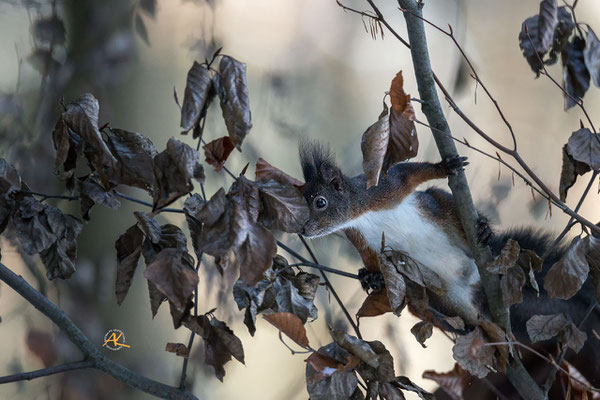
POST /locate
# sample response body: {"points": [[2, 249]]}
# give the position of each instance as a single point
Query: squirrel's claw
{"points": [[371, 281], [454, 165], [484, 232]]}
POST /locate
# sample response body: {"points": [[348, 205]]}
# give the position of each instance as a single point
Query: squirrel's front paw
{"points": [[454, 165], [371, 281], [484, 232]]}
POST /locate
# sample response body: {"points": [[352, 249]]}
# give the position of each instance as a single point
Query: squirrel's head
{"points": [[326, 190]]}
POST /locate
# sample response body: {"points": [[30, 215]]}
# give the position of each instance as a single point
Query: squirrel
{"points": [[425, 225]]}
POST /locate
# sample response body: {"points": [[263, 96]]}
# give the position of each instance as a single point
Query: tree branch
{"points": [[27, 376], [79, 339], [432, 109]]}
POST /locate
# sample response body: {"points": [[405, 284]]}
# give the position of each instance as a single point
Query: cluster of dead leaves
{"points": [[551, 33], [393, 138], [41, 228], [331, 371]]}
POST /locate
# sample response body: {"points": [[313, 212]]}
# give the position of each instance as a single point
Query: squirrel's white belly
{"points": [[407, 230]]}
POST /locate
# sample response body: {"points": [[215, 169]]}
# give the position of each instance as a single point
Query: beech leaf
{"points": [[174, 169], [511, 286], [220, 342], [265, 171], [548, 19], [568, 274], [591, 55], [506, 259], [283, 207], [196, 94], [576, 77], [374, 145], [376, 303], [217, 151], [235, 106], [173, 274], [129, 248], [453, 382], [330, 373], [422, 331], [291, 325], [584, 146], [569, 172]]}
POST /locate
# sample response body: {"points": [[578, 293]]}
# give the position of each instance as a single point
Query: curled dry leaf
{"points": [[196, 96], [280, 291], [394, 284], [220, 342], [567, 275], [330, 373], [235, 105], [422, 331], [472, 354], [283, 207], [584, 146], [591, 55], [81, 117], [374, 145], [576, 77], [149, 226], [403, 143], [547, 22], [68, 146], [179, 349], [135, 153], [44, 229], [173, 274], [452, 382], [291, 325], [506, 259], [415, 271], [356, 346], [406, 384], [376, 303], [174, 169], [544, 327], [92, 192], [571, 168], [511, 286], [529, 42], [129, 248], [217, 151], [9, 178], [265, 171]]}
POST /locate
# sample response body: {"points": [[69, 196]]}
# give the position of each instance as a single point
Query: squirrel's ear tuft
{"points": [[316, 160]]}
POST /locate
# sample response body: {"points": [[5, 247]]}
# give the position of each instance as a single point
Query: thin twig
{"points": [[79, 339], [549, 360], [27, 376], [331, 288], [563, 352], [318, 266]]}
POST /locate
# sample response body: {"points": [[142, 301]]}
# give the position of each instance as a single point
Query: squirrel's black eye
{"points": [[320, 202]]}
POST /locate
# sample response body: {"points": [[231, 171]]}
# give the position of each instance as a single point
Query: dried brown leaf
{"points": [[179, 349], [422, 331], [506, 259], [217, 151], [283, 207], [174, 169], [511, 286], [374, 145], [233, 92], [576, 77], [452, 382], [197, 92], [568, 274], [265, 171], [584, 146], [376, 303], [173, 274], [291, 325], [129, 248], [591, 55]]}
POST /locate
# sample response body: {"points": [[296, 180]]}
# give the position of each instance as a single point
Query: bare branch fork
{"points": [[93, 358]]}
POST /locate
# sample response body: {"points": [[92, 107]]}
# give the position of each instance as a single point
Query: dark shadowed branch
{"points": [[93, 357]]}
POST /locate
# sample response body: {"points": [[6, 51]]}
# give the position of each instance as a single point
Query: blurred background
{"points": [[313, 71]]}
